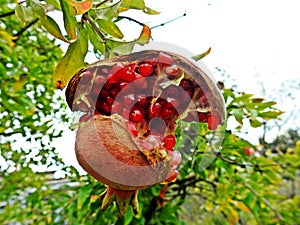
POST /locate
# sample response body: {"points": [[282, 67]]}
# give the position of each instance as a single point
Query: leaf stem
{"points": [[86, 17]]}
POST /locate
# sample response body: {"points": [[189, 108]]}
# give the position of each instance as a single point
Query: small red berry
{"points": [[169, 142], [154, 109], [213, 120], [137, 115], [145, 69]]}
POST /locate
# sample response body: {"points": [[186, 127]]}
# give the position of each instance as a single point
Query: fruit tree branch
{"points": [[18, 34], [7, 14]]}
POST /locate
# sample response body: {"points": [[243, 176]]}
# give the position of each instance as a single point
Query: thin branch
{"points": [[131, 19], [101, 3], [264, 201], [18, 34], [7, 14], [85, 17], [170, 21]]}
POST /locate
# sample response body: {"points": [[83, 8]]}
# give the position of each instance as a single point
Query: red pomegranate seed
{"points": [[172, 176], [109, 100], [127, 74], [213, 120], [168, 112], [142, 101], [164, 58], [137, 115], [123, 85], [145, 69], [202, 116], [169, 142], [173, 71], [173, 101], [154, 109], [113, 79]]}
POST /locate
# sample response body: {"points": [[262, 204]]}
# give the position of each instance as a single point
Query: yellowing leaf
{"points": [[53, 28], [144, 36], [123, 47], [202, 55], [6, 38], [231, 214], [72, 61], [241, 205], [150, 11], [78, 8]]}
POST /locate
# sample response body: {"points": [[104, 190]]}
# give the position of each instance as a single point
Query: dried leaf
{"points": [[78, 8], [202, 55]]}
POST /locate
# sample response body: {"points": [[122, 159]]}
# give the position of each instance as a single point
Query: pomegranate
{"points": [[130, 106]]}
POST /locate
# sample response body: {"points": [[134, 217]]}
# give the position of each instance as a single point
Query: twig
{"points": [[170, 21], [131, 19], [85, 17], [7, 14], [18, 34], [264, 201], [101, 3]]}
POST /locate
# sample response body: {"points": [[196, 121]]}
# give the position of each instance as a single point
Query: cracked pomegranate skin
{"points": [[131, 104], [106, 150]]}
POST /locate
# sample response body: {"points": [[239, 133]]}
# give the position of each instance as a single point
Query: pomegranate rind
{"points": [[107, 151]]}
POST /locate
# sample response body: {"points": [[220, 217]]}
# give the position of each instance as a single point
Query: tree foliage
{"points": [[244, 184]]}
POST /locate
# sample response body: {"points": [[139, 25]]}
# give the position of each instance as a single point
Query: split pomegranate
{"points": [[130, 107]]}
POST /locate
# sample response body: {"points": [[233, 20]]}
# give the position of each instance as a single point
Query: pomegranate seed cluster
{"points": [[149, 91]]}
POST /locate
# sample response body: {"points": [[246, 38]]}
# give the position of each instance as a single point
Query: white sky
{"points": [[254, 41]]}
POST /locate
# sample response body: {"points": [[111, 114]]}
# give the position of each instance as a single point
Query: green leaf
{"points": [[23, 13], [109, 27], [72, 61], [109, 12], [238, 115], [270, 114], [202, 55], [83, 195], [95, 39], [255, 123], [52, 27], [80, 7], [70, 21], [55, 3], [128, 217], [133, 4], [38, 9], [150, 11]]}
